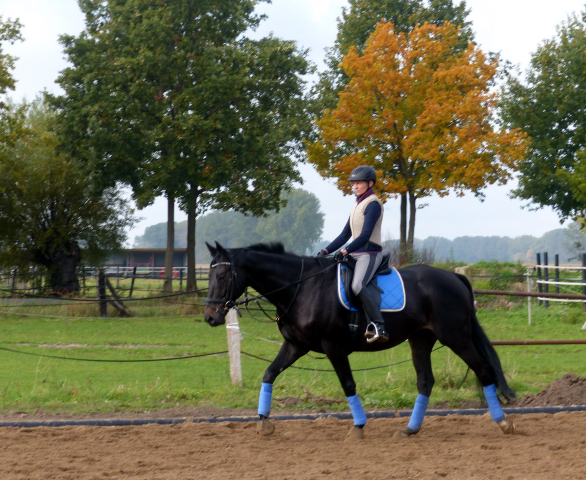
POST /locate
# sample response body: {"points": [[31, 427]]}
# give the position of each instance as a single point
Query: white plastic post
{"points": [[529, 291], [233, 331]]}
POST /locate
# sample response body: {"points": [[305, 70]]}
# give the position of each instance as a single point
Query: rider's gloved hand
{"points": [[322, 253], [339, 255]]}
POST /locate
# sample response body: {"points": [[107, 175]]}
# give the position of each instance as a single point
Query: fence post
{"points": [[529, 291], [233, 331], [102, 293], [118, 276], [181, 279], [546, 276], [557, 273], [132, 282], [584, 279], [13, 282], [539, 285]]}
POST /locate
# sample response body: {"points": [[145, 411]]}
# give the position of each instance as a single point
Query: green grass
{"points": [[28, 383]]}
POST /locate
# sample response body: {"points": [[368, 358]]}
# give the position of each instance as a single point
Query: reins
{"points": [[294, 296], [229, 303]]}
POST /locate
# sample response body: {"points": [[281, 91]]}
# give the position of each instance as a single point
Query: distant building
{"points": [[146, 258]]}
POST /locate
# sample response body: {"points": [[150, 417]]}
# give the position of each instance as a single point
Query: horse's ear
{"points": [[221, 250], [212, 250]]}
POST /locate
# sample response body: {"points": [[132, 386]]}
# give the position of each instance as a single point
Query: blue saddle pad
{"points": [[392, 296]]}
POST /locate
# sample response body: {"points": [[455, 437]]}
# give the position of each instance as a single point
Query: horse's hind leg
{"points": [[421, 343], [471, 357], [286, 357]]}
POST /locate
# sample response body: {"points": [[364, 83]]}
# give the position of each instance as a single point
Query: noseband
{"points": [[227, 300]]}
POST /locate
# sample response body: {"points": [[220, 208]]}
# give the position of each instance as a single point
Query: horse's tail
{"points": [[486, 350]]}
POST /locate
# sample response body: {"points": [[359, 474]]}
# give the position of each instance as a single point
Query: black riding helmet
{"points": [[364, 173]]}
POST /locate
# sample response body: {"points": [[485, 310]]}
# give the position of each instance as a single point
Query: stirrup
{"points": [[373, 334]]}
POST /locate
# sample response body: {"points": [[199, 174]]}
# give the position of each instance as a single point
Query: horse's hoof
{"points": [[508, 427], [407, 432], [355, 433], [264, 427]]}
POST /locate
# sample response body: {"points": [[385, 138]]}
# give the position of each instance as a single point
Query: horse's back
{"points": [[436, 287]]}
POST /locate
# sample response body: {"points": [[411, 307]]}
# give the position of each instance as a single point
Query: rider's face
{"points": [[360, 187]]}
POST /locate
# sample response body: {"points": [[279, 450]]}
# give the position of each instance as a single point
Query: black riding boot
{"points": [[375, 330]]}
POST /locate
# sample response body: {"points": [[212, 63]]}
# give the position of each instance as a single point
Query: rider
{"points": [[364, 226]]}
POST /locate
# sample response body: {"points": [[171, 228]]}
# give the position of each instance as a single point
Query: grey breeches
{"points": [[366, 265]]}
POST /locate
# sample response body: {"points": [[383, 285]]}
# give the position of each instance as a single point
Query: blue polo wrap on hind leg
{"points": [[357, 411], [418, 413], [494, 407], [264, 401]]}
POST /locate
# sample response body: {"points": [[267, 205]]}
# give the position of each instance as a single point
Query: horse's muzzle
{"points": [[214, 317]]}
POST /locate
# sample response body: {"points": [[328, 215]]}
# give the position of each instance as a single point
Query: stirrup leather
{"points": [[372, 333]]}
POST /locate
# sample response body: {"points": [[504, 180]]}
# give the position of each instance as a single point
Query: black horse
{"points": [[439, 306]]}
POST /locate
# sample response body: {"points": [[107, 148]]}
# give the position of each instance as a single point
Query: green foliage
{"points": [[48, 207], [549, 106], [9, 32], [298, 226], [169, 97]]}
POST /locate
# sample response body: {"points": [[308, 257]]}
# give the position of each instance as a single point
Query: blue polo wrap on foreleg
{"points": [[494, 407], [357, 411], [418, 413], [264, 401]]}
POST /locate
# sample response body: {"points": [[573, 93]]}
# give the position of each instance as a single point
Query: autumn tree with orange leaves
{"points": [[419, 111]]}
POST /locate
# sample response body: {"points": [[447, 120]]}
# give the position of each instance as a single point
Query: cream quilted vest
{"points": [[357, 219]]}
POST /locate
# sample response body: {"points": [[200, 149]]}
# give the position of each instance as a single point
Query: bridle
{"points": [[227, 300]]}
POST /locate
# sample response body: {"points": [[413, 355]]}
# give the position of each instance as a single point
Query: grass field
{"points": [[163, 330]]}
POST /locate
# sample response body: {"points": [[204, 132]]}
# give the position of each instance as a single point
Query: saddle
{"points": [[386, 285]]}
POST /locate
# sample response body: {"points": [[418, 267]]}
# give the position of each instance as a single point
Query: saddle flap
{"points": [[391, 285]]}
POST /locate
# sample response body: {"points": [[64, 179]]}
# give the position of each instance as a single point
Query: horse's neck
{"points": [[266, 273]]}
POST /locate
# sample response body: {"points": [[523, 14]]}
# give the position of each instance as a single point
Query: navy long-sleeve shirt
{"points": [[361, 243]]}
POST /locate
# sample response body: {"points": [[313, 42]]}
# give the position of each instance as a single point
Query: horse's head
{"points": [[224, 287]]}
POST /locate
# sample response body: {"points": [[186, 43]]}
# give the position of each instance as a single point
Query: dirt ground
{"points": [[456, 447]]}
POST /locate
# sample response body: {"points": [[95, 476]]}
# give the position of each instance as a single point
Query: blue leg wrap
{"points": [[357, 410], [494, 407], [418, 414], [264, 401]]}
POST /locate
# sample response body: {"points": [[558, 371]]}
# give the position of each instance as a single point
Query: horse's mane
{"points": [[272, 247]]}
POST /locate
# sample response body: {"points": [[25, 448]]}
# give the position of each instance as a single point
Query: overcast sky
{"points": [[514, 28]]}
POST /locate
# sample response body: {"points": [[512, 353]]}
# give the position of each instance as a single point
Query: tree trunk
{"points": [[169, 254], [192, 207], [62, 274], [411, 238], [403, 250]]}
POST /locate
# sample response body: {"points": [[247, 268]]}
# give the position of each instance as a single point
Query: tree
{"points": [[49, 212], [359, 21], [298, 226], [171, 97], [419, 112], [549, 107]]}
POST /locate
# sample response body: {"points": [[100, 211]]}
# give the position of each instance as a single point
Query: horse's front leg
{"points": [[286, 357], [339, 359]]}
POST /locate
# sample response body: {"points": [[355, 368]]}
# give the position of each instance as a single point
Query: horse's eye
{"points": [[221, 276]]}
